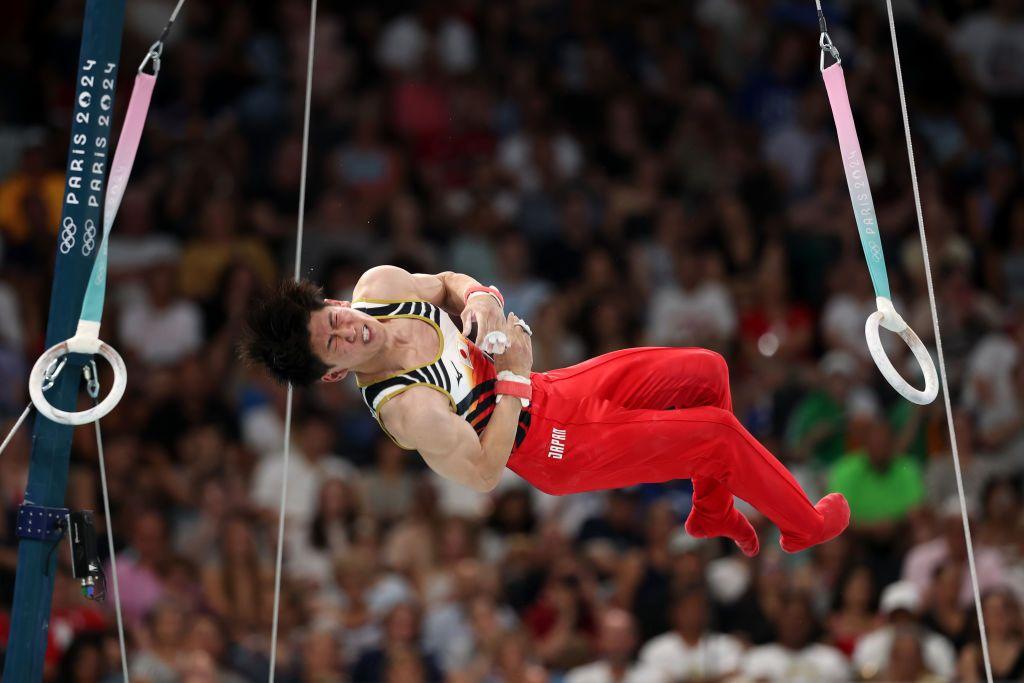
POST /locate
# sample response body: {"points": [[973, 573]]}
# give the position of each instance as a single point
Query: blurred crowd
{"points": [[658, 172]]}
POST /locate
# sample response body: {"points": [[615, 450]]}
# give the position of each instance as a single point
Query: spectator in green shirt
{"points": [[816, 431], [882, 486]]}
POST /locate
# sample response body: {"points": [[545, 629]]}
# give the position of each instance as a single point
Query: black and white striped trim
{"points": [[434, 374], [419, 309]]}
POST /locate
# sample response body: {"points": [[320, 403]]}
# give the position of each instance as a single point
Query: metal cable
{"points": [[938, 345], [14, 429], [288, 410], [110, 548]]}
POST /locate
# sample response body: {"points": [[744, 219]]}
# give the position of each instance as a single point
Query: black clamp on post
{"points": [[41, 523], [85, 560]]}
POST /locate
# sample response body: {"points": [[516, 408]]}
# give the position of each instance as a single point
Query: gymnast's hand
{"points": [[518, 357], [486, 312]]}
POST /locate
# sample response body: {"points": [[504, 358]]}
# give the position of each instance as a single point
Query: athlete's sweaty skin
{"points": [[347, 339]]}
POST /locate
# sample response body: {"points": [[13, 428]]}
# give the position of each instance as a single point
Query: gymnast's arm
{"points": [[422, 418], [446, 290]]}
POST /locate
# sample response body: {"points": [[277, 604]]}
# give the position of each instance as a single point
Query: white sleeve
{"points": [[729, 655], [266, 484], [939, 655], [661, 319], [833, 664], [725, 313], [192, 328]]}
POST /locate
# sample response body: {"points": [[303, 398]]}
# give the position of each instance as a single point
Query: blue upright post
{"points": [[78, 238]]}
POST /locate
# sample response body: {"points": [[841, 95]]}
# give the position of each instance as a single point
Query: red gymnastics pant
{"points": [[653, 415]]}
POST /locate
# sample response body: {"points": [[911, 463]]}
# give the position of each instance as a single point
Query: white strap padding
{"points": [[887, 317], [35, 385]]}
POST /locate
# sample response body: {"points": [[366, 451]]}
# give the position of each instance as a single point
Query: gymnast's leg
{"points": [[679, 378]]}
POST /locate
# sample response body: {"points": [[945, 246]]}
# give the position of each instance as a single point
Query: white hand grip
{"points": [[495, 343], [924, 359], [35, 386]]}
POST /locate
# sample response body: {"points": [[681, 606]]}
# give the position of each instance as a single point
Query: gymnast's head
{"points": [[301, 337]]}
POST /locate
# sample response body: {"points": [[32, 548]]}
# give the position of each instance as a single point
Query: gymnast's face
{"points": [[344, 338]]}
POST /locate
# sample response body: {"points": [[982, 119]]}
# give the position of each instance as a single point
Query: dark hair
{"points": [[847, 574], [277, 333]]}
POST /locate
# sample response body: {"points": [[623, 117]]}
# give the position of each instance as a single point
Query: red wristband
{"points": [[517, 389], [493, 291]]}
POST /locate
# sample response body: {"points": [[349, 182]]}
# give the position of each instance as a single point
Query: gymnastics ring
{"points": [[77, 345], [887, 317]]}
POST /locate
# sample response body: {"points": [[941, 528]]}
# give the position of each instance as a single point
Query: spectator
{"points": [[312, 461], [236, 583], [950, 547], [83, 661], [330, 533], [997, 30], [320, 658], [694, 312], [1005, 633], [855, 609], [946, 613], [30, 199], [562, 620], [691, 651], [366, 166], [796, 656], [515, 661], [160, 661], [990, 391], [399, 650], [411, 39], [881, 486], [208, 635], [1001, 523], [906, 660], [524, 293], [388, 488], [617, 524], [901, 606], [817, 425], [140, 566], [617, 646], [217, 246], [161, 327]]}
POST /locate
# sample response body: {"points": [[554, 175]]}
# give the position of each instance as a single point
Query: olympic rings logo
{"points": [[89, 237], [67, 235]]}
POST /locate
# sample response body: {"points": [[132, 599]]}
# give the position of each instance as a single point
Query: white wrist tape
{"points": [[506, 378]]}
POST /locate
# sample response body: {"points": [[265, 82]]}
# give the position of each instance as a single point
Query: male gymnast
{"points": [[623, 418]]}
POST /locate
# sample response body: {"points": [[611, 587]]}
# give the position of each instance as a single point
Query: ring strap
{"points": [[86, 339], [871, 242]]}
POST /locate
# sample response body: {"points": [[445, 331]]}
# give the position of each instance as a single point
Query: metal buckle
{"points": [[826, 44], [53, 371], [156, 50], [92, 379]]}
